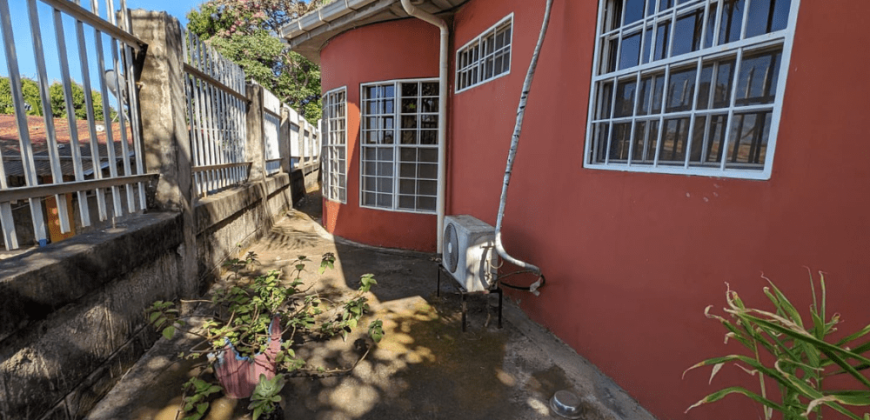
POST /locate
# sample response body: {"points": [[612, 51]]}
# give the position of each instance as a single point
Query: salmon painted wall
{"points": [[633, 259], [405, 49]]}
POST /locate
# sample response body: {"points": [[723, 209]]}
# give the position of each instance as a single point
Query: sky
{"points": [[19, 15]]}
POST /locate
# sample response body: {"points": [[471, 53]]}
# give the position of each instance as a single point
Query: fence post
{"points": [[255, 151], [165, 136]]}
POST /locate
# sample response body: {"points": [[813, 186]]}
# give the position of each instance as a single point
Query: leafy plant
{"points": [[805, 356], [195, 401], [244, 313], [266, 395]]}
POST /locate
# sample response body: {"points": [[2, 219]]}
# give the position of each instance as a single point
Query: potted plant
{"points": [[248, 342], [804, 357]]}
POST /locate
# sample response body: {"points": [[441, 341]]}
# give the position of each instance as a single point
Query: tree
{"points": [[246, 32], [30, 91]]}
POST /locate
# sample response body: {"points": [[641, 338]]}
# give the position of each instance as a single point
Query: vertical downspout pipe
{"points": [[411, 10], [512, 154]]}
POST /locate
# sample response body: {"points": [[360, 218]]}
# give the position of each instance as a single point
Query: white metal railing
{"points": [[216, 104], [272, 132], [87, 169], [304, 142]]}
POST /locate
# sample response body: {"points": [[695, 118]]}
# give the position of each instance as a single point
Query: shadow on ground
{"points": [[424, 368]]}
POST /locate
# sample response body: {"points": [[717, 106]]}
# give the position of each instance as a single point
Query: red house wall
{"points": [[394, 50], [633, 259]]}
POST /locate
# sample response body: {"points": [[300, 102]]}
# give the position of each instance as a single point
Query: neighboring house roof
{"points": [[310, 33], [11, 149]]}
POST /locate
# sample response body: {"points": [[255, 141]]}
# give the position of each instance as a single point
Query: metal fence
{"points": [[217, 104], [272, 133], [92, 158]]}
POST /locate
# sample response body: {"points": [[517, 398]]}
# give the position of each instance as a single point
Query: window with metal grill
{"points": [[486, 57], [399, 150], [689, 86], [335, 149]]}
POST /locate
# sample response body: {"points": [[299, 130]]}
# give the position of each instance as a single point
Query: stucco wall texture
{"points": [[406, 49], [632, 259]]}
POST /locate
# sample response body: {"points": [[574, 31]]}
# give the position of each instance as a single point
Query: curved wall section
{"points": [[404, 49]]}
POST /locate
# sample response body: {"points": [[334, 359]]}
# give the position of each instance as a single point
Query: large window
{"points": [[399, 151], [689, 86], [486, 57], [335, 147]]}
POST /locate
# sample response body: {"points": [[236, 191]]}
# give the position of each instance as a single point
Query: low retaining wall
{"points": [[71, 314]]}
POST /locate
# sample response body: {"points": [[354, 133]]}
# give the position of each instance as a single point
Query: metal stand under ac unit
{"points": [[469, 257]]}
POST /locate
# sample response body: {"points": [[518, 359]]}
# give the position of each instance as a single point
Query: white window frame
{"points": [[783, 38], [331, 148], [481, 61], [397, 145]]}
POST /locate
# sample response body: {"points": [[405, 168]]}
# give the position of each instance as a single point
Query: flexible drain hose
{"points": [[515, 140]]}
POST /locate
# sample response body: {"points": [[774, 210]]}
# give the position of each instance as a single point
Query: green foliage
{"points": [[30, 92], [805, 357], [243, 314], [246, 32], [266, 395], [195, 402]]}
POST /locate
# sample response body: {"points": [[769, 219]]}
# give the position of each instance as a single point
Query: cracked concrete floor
{"points": [[424, 368]]}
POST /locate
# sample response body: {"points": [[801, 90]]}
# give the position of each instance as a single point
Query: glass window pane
{"points": [[387, 137], [409, 89], [408, 154], [388, 91], [429, 121], [680, 90], [429, 155], [407, 170], [647, 46], [711, 26], [409, 106], [619, 144], [630, 53], [732, 21], [608, 55], [599, 143], [429, 137], [706, 80], [426, 203], [674, 138], [427, 171], [625, 92], [385, 200], [687, 37], [406, 186], [759, 73], [427, 187], [633, 11], [385, 185], [604, 98], [637, 153], [645, 139], [766, 16], [430, 89], [385, 154], [663, 35], [409, 121], [406, 202], [429, 105], [409, 137], [369, 199], [748, 140]]}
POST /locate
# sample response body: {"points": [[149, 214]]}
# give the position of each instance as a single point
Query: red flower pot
{"points": [[239, 375]]}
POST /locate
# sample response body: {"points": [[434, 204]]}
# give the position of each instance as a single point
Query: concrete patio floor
{"points": [[424, 368]]}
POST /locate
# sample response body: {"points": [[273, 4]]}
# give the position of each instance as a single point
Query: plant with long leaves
{"points": [[804, 357]]}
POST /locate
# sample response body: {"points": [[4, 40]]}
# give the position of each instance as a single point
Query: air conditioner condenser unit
{"points": [[468, 253]]}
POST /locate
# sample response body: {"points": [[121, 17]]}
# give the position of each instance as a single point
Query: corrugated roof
{"points": [[10, 146], [310, 33]]}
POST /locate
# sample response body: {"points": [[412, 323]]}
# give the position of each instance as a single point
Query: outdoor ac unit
{"points": [[469, 253]]}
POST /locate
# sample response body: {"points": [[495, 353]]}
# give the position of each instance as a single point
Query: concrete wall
{"points": [[362, 56], [71, 313]]}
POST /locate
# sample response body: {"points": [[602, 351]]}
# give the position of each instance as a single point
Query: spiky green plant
{"points": [[805, 357]]}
